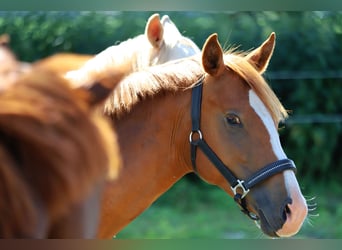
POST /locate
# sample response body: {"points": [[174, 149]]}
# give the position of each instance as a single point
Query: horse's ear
{"points": [[212, 56], [171, 31], [261, 56], [154, 31]]}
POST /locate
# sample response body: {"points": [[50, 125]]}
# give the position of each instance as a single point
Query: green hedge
{"points": [[304, 71]]}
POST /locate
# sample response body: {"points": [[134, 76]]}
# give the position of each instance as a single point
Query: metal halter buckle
{"points": [[240, 186], [195, 132]]}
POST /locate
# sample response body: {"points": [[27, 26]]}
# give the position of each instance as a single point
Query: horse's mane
{"points": [[182, 74], [53, 150], [171, 76], [132, 54], [127, 50]]}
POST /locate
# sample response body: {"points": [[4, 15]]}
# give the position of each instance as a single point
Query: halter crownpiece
{"points": [[239, 187]]}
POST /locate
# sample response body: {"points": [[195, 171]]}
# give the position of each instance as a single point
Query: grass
{"points": [[195, 210]]}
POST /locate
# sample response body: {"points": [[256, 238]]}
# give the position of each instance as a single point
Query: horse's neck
{"points": [[152, 131], [149, 138]]}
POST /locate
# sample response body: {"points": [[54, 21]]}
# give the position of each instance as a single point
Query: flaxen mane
{"points": [[183, 74], [133, 54], [172, 76], [53, 151]]}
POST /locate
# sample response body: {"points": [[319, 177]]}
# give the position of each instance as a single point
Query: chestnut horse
{"points": [[232, 129], [161, 42], [56, 152]]}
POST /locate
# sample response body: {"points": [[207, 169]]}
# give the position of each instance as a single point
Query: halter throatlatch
{"points": [[239, 187]]}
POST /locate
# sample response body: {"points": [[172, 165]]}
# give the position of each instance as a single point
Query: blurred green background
{"points": [[305, 72]]}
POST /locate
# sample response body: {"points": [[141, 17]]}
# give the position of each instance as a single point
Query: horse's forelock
{"points": [[237, 63]]}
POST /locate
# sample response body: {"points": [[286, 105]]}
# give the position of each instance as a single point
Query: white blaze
{"points": [[261, 110], [298, 207]]}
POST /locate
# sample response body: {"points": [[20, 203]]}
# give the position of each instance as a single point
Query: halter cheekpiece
{"points": [[239, 187]]}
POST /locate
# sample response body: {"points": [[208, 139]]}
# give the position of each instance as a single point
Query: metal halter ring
{"points": [[242, 187], [195, 132]]}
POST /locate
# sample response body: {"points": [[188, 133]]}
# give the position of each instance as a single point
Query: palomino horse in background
{"points": [[161, 42], [55, 152], [232, 129]]}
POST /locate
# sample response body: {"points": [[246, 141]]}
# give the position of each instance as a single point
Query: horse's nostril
{"points": [[286, 211], [284, 215]]}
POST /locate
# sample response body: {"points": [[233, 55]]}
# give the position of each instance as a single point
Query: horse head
{"points": [[168, 42], [237, 133]]}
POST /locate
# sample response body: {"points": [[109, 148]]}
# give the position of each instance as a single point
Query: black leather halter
{"points": [[239, 187]]}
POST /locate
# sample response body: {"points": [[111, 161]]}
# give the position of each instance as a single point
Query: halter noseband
{"points": [[239, 187]]}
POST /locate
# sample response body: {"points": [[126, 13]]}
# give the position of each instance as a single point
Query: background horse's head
{"points": [[55, 153], [161, 42], [239, 121], [168, 43]]}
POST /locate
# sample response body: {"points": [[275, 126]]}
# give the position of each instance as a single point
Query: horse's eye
{"points": [[233, 119]]}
